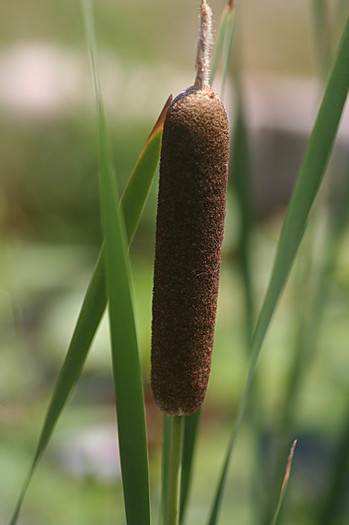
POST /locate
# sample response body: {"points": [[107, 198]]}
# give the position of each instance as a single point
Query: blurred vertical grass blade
{"points": [[341, 215], [310, 278], [341, 12], [240, 171], [224, 41], [228, 43], [241, 185], [322, 36], [307, 337], [337, 480], [219, 43], [284, 483], [191, 427], [308, 182], [95, 301], [125, 359]]}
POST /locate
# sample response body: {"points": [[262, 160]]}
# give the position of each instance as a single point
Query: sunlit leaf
{"points": [[125, 359]]}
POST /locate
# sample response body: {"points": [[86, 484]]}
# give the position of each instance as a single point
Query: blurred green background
{"points": [[50, 235]]}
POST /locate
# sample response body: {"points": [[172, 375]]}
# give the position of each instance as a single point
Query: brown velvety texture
{"points": [[189, 234]]}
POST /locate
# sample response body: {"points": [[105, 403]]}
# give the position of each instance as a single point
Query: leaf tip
{"points": [[159, 124]]}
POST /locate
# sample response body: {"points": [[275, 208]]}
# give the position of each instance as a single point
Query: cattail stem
{"points": [[172, 514], [203, 47]]}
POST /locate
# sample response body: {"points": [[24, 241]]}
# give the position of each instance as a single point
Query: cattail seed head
{"points": [[189, 234]]}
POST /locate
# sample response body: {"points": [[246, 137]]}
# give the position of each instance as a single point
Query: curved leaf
{"points": [[125, 359]]}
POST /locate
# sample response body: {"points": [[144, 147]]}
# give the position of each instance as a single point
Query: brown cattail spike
{"points": [[189, 234]]}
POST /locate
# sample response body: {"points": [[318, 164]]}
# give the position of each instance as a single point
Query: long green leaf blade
{"points": [[95, 301], [240, 171], [94, 304], [165, 470], [322, 36], [126, 365], [334, 500], [228, 39], [309, 179]]}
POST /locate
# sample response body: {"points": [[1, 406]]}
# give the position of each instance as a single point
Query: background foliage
{"points": [[51, 232]]}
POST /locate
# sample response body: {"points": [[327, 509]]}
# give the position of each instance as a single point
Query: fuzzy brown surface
{"points": [[189, 234]]}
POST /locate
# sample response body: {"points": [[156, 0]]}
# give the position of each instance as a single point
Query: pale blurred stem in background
{"points": [[241, 184], [322, 38], [337, 493], [311, 273]]}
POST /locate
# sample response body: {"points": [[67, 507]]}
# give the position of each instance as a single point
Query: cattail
{"points": [[189, 235]]}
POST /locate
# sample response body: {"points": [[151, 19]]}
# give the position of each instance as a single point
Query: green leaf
{"points": [[125, 359], [95, 301], [191, 427], [240, 171], [308, 182], [333, 503], [322, 38]]}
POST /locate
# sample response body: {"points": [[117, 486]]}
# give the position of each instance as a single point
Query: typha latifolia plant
{"points": [[191, 209]]}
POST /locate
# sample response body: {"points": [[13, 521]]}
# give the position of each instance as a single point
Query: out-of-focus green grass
{"points": [[45, 163]]}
